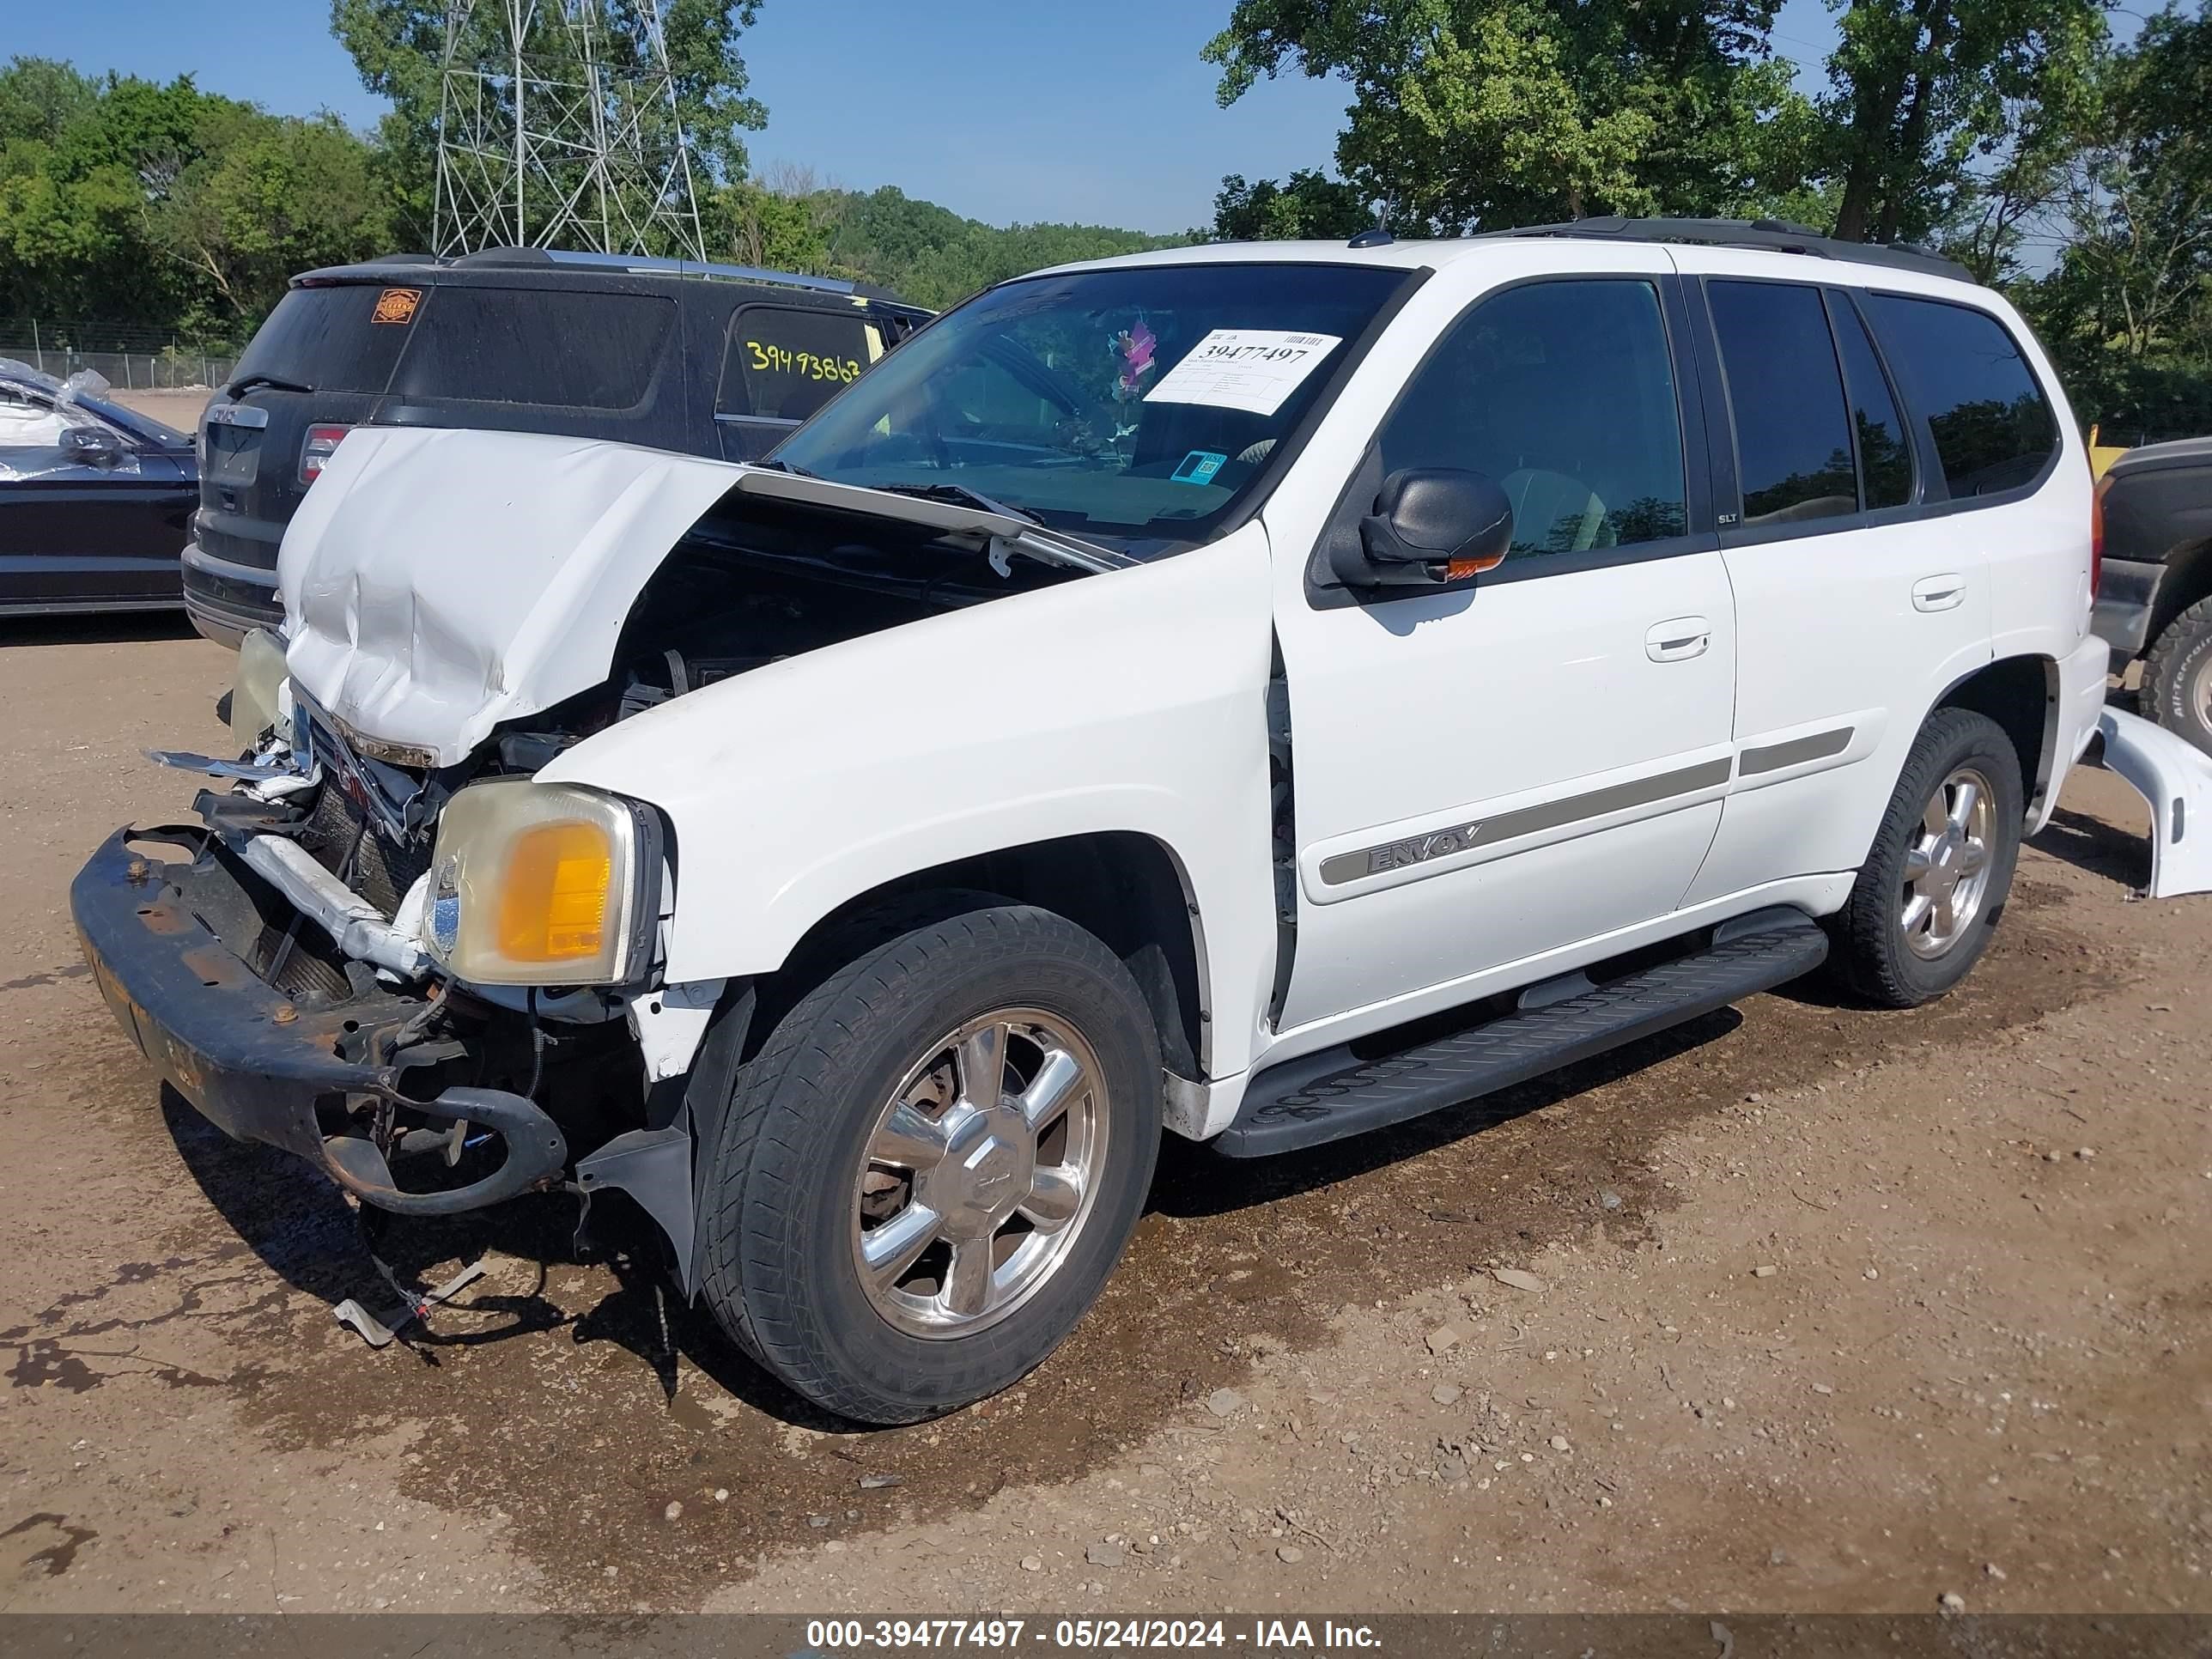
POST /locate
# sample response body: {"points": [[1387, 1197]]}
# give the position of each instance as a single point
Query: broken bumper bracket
{"points": [[252, 1062]]}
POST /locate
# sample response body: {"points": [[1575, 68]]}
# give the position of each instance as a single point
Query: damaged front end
{"points": [[437, 984], [273, 1040], [388, 944]]}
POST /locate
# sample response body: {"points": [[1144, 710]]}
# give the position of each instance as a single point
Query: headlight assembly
{"points": [[543, 883], [256, 695]]}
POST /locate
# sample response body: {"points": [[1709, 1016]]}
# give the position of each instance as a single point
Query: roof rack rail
{"points": [[650, 264], [1776, 235]]}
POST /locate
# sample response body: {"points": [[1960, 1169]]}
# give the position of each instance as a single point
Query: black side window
{"points": [[559, 349], [1563, 393], [1793, 442], [783, 362], [1962, 374], [1885, 453]]}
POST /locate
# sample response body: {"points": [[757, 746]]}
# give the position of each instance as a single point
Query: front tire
{"points": [[2177, 682], [934, 1163], [1935, 880]]}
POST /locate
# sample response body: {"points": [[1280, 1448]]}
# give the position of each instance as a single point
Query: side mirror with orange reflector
{"points": [[1430, 525]]}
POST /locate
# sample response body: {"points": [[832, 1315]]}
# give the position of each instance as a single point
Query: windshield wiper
{"points": [[273, 382], [786, 466], [961, 493]]}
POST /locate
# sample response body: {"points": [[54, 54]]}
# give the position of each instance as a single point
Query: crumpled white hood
{"points": [[437, 582]]}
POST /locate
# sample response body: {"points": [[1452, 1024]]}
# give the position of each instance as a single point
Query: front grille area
{"points": [[383, 870]]}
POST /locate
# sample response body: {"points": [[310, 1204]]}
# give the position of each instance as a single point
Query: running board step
{"points": [[1329, 1095]]}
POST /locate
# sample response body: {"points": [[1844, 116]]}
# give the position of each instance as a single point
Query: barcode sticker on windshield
{"points": [[1249, 368]]}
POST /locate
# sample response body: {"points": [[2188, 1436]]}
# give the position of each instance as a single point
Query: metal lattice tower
{"points": [[548, 138]]}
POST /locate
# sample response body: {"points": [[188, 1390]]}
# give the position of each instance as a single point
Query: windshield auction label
{"points": [[1249, 368]]}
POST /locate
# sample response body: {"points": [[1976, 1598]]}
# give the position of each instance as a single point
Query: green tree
{"points": [[268, 198], [931, 255], [83, 165], [1307, 206], [784, 219], [1929, 99], [2127, 308], [1495, 112], [125, 201]]}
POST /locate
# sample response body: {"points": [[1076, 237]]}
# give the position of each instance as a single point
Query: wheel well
{"points": [[2188, 579], [2020, 694], [1125, 887]]}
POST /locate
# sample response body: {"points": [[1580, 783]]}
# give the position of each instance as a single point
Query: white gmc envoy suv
{"points": [[1164, 694]]}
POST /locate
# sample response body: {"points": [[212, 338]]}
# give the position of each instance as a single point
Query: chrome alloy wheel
{"points": [[1946, 866], [980, 1173], [2201, 694]]}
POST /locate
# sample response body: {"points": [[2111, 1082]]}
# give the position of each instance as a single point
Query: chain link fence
{"points": [[130, 359]]}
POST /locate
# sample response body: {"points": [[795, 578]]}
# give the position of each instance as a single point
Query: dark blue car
{"points": [[95, 501]]}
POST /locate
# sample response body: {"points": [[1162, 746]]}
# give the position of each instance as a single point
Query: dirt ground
{"points": [[180, 409], [1809, 1307]]}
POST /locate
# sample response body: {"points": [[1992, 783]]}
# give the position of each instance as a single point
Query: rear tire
{"points": [[933, 1163], [2176, 681], [1937, 877]]}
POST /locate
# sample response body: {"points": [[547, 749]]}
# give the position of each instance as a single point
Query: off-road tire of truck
{"points": [[1871, 952], [777, 1207], [2177, 677]]}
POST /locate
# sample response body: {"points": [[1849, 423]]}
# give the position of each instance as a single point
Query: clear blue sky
{"points": [[1001, 109]]}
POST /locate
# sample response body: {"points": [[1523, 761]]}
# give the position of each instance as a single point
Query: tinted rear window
{"points": [[322, 338], [1885, 456], [785, 362], [1793, 442], [566, 350], [1962, 374]]}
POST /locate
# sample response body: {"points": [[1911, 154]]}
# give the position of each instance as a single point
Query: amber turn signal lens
{"points": [[553, 904], [1459, 569]]}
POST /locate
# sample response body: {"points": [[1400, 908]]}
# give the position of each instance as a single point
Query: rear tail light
{"points": [[2097, 534], [322, 442]]}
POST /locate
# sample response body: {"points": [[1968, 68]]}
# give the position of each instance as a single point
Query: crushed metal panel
{"points": [[440, 581]]}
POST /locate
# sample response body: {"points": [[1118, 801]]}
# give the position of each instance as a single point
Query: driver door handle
{"points": [[1678, 640]]}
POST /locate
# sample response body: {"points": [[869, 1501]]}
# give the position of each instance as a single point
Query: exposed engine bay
{"points": [[753, 584]]}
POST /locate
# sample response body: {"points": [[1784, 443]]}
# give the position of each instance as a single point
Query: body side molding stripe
{"points": [[1773, 757], [1340, 867]]}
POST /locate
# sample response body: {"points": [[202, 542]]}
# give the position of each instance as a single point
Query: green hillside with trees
{"points": [[2072, 169]]}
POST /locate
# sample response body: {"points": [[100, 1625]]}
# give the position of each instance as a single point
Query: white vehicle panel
{"points": [[1833, 650], [1131, 701], [436, 582], [1414, 718]]}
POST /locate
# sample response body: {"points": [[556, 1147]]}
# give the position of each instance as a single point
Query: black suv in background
{"points": [[708, 360]]}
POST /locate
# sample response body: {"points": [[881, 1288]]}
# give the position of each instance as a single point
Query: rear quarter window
{"points": [[552, 347], [783, 362], [1963, 374]]}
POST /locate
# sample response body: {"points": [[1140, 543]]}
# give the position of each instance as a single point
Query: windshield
{"points": [[1134, 405]]}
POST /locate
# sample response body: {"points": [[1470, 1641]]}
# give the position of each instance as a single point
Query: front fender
{"points": [[1130, 700]]}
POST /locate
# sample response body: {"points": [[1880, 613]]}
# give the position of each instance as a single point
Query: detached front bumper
{"points": [[255, 1063]]}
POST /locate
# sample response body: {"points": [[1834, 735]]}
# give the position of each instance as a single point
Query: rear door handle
{"points": [[1939, 592], [1678, 640]]}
